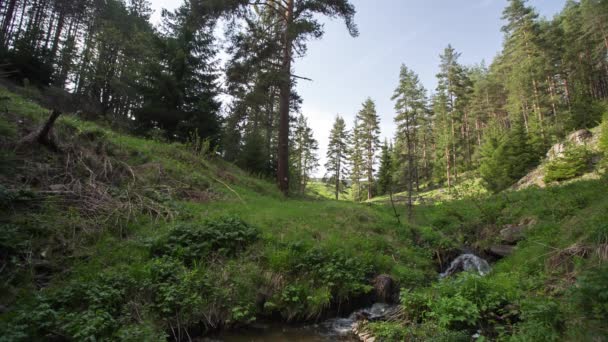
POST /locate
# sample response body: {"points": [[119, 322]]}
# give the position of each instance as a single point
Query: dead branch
{"points": [[44, 136]]}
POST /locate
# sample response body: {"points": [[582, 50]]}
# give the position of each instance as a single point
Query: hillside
{"points": [[115, 237], [124, 238]]}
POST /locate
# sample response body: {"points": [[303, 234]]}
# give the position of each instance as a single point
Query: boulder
{"points": [[580, 137], [502, 250], [384, 287], [556, 151], [512, 233]]}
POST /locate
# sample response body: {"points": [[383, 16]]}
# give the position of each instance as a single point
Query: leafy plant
{"points": [[190, 242], [574, 163]]}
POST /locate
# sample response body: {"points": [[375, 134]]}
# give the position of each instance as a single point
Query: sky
{"points": [[345, 71]]}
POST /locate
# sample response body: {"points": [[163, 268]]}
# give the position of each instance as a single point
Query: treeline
{"points": [[550, 78], [116, 64], [165, 81]]}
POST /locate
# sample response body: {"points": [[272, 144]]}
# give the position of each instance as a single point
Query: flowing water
{"points": [[467, 263], [336, 329]]}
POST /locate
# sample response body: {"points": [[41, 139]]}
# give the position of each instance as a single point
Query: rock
{"points": [[383, 288], [556, 151], [580, 137], [512, 234], [502, 250]]}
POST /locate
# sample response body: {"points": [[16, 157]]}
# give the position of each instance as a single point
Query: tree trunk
{"points": [[448, 167], [44, 136], [283, 153], [58, 31], [370, 170], [410, 183], [8, 18]]}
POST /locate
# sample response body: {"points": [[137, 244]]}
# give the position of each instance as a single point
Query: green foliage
{"points": [[604, 135], [225, 236], [9, 198], [451, 311], [542, 320], [7, 128], [574, 163], [591, 293], [506, 159], [385, 172], [386, 331]]}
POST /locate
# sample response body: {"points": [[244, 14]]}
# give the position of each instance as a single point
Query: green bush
{"points": [[541, 321], [604, 135], [574, 163], [7, 129], [225, 236], [387, 331], [591, 293]]}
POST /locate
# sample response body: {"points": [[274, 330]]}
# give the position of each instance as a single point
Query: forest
{"points": [[160, 181], [165, 82]]}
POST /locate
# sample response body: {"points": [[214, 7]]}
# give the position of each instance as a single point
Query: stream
{"points": [[335, 329], [338, 329]]}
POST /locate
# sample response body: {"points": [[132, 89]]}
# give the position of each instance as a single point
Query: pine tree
{"points": [[304, 157], [356, 161], [297, 23], [452, 96], [337, 158], [369, 135], [410, 105], [506, 159], [385, 171]]}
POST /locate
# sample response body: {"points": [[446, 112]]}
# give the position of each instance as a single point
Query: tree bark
{"points": [[44, 135], [8, 18], [283, 153]]}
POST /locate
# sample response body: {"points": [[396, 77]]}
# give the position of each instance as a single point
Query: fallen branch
{"points": [[44, 136]]}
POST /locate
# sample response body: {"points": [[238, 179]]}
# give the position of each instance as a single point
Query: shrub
{"points": [[604, 135], [574, 163], [591, 293], [541, 321], [454, 311], [345, 275], [225, 236], [387, 331]]}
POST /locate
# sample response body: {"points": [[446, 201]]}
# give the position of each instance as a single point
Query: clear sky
{"points": [[345, 71]]}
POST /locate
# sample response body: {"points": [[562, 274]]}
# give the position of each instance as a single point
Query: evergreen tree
{"points": [[385, 171], [304, 157], [506, 159], [337, 158], [296, 24], [410, 105], [356, 161], [369, 136]]}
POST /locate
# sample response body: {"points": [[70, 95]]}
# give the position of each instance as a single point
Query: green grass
{"points": [[310, 256], [320, 190], [467, 187], [153, 260], [543, 291]]}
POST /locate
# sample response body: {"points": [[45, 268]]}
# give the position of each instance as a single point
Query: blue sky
{"points": [[345, 71]]}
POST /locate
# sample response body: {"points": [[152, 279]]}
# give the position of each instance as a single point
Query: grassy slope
{"points": [[552, 288], [320, 190], [106, 280], [125, 195]]}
